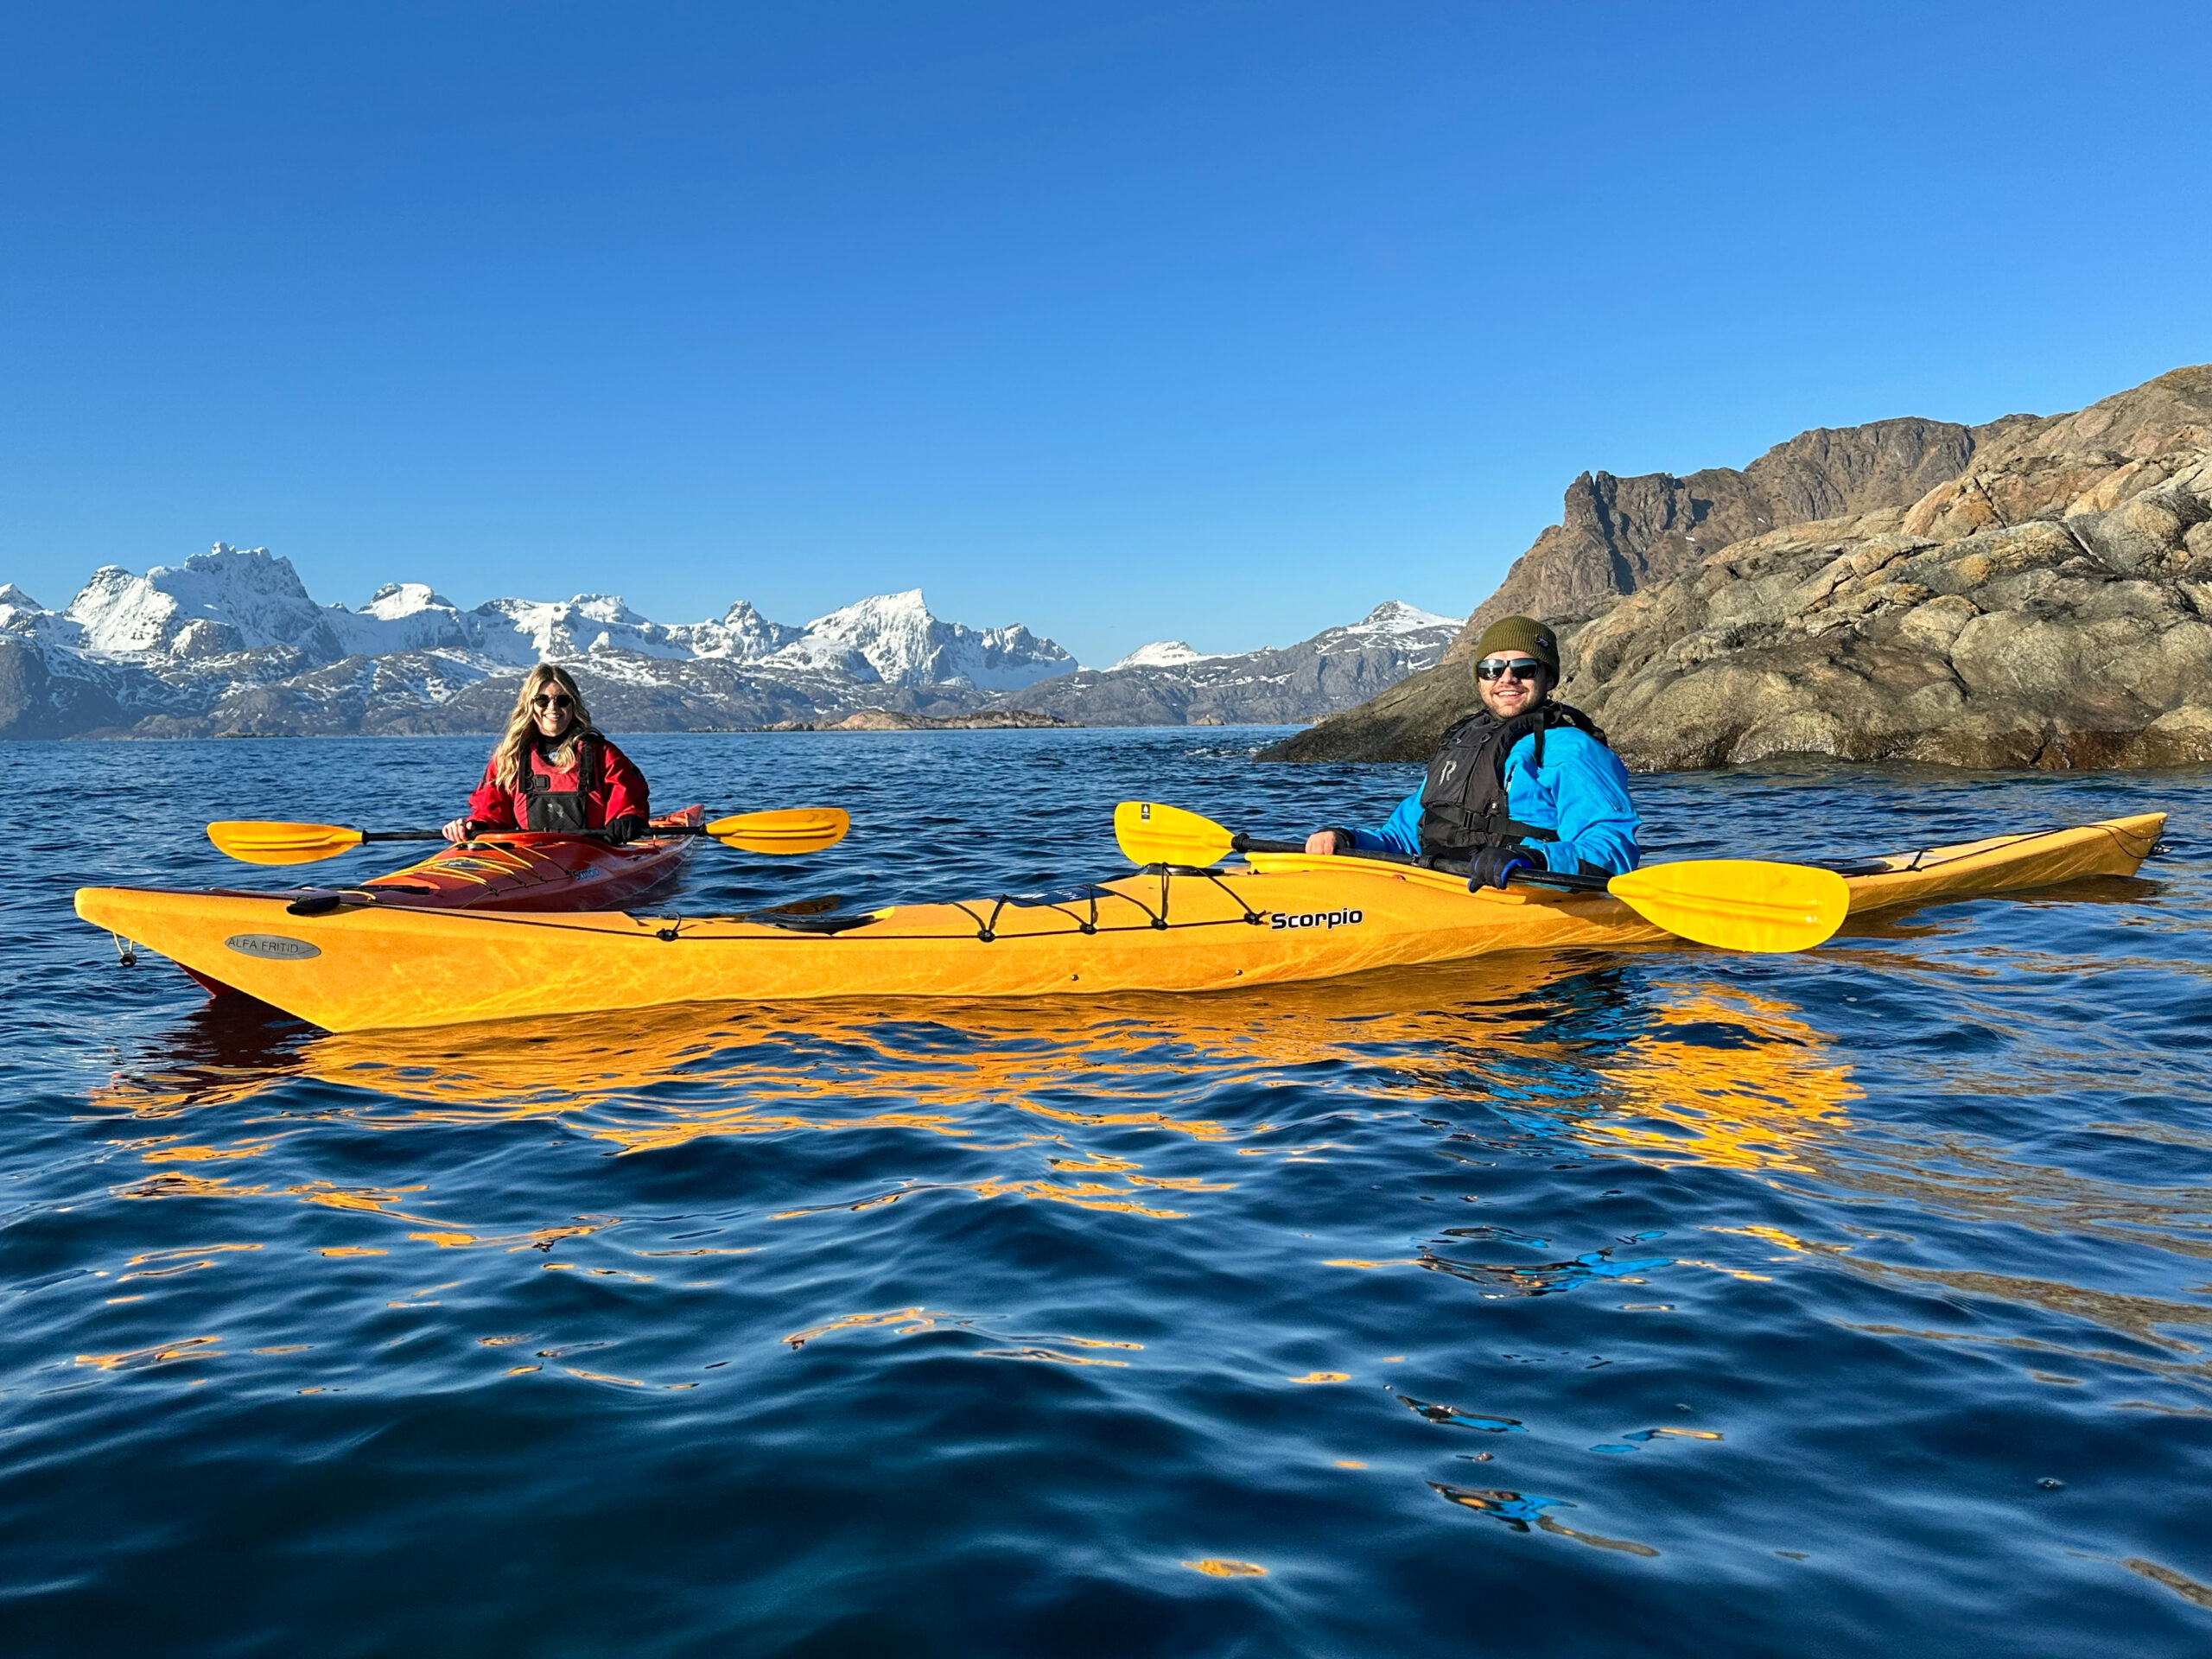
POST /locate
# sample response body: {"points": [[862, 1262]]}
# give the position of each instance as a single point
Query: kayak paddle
{"points": [[788, 829], [1737, 904]]}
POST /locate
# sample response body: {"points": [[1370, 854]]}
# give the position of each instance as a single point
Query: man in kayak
{"points": [[554, 770], [1522, 782]]}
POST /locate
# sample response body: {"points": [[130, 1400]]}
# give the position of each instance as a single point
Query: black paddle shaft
{"points": [[580, 834], [1572, 881], [656, 832]]}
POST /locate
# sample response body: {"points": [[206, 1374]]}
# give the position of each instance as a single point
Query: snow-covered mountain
{"points": [[231, 640], [1161, 653], [893, 638], [215, 604], [231, 599], [1170, 685], [231, 643], [1391, 619]]}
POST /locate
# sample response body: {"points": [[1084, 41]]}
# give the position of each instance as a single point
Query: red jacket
{"points": [[619, 792]]}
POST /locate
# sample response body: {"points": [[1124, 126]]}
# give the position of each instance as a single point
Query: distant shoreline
{"points": [[627, 735]]}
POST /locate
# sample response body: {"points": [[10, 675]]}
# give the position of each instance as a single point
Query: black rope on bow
{"points": [[986, 928], [1166, 872], [1159, 919], [1256, 916], [1081, 925]]}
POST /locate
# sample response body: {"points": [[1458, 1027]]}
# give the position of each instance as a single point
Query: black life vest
{"points": [[1463, 803], [548, 808]]}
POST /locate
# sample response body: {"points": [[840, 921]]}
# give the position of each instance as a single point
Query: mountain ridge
{"points": [[231, 643], [1285, 685]]}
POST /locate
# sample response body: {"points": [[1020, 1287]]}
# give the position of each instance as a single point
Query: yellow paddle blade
{"points": [[1150, 832], [253, 842], [791, 829], [1738, 904]]}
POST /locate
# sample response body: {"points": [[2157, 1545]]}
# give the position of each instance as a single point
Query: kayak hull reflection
{"points": [[1283, 917]]}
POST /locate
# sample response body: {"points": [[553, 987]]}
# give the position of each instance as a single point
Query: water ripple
{"points": [[1547, 1300]]}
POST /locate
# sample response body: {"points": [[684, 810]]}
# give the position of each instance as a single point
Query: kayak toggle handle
{"points": [[321, 904], [126, 954]]}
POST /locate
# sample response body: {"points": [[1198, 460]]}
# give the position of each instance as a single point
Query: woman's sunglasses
{"points": [[556, 700], [1523, 668]]}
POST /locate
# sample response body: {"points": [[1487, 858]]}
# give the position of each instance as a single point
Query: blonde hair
{"points": [[511, 752]]}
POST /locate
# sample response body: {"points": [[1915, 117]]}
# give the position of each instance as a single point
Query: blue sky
{"points": [[1218, 322]]}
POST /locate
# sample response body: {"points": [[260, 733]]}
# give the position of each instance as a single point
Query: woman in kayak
{"points": [[1522, 782], [554, 770]]}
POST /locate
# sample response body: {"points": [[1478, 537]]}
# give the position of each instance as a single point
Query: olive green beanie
{"points": [[1520, 634]]}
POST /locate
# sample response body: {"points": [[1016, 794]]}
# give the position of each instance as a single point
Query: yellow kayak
{"points": [[1283, 917]]}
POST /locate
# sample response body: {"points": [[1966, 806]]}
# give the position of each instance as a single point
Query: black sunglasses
{"points": [[556, 700], [1523, 668]]}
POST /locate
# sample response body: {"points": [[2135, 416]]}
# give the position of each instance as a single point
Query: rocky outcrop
{"points": [[1402, 724], [982, 720], [37, 701], [2050, 605], [1621, 536]]}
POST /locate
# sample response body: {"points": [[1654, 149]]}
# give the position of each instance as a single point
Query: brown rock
{"points": [[2050, 607], [2073, 464], [1617, 536]]}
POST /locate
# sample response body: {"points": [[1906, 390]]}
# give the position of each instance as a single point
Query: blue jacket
{"points": [[1581, 793]]}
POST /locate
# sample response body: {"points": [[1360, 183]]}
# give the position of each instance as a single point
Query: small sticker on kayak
{"points": [[271, 947], [1318, 918]]}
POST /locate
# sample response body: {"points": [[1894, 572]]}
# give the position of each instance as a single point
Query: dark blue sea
{"points": [[1664, 1302]]}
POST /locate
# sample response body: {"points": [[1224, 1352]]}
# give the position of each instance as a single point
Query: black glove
{"points": [[1493, 865], [626, 829]]}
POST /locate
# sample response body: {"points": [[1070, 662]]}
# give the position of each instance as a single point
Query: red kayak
{"points": [[537, 869]]}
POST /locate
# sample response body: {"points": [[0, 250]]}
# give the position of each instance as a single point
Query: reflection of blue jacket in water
{"points": [[1580, 794]]}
